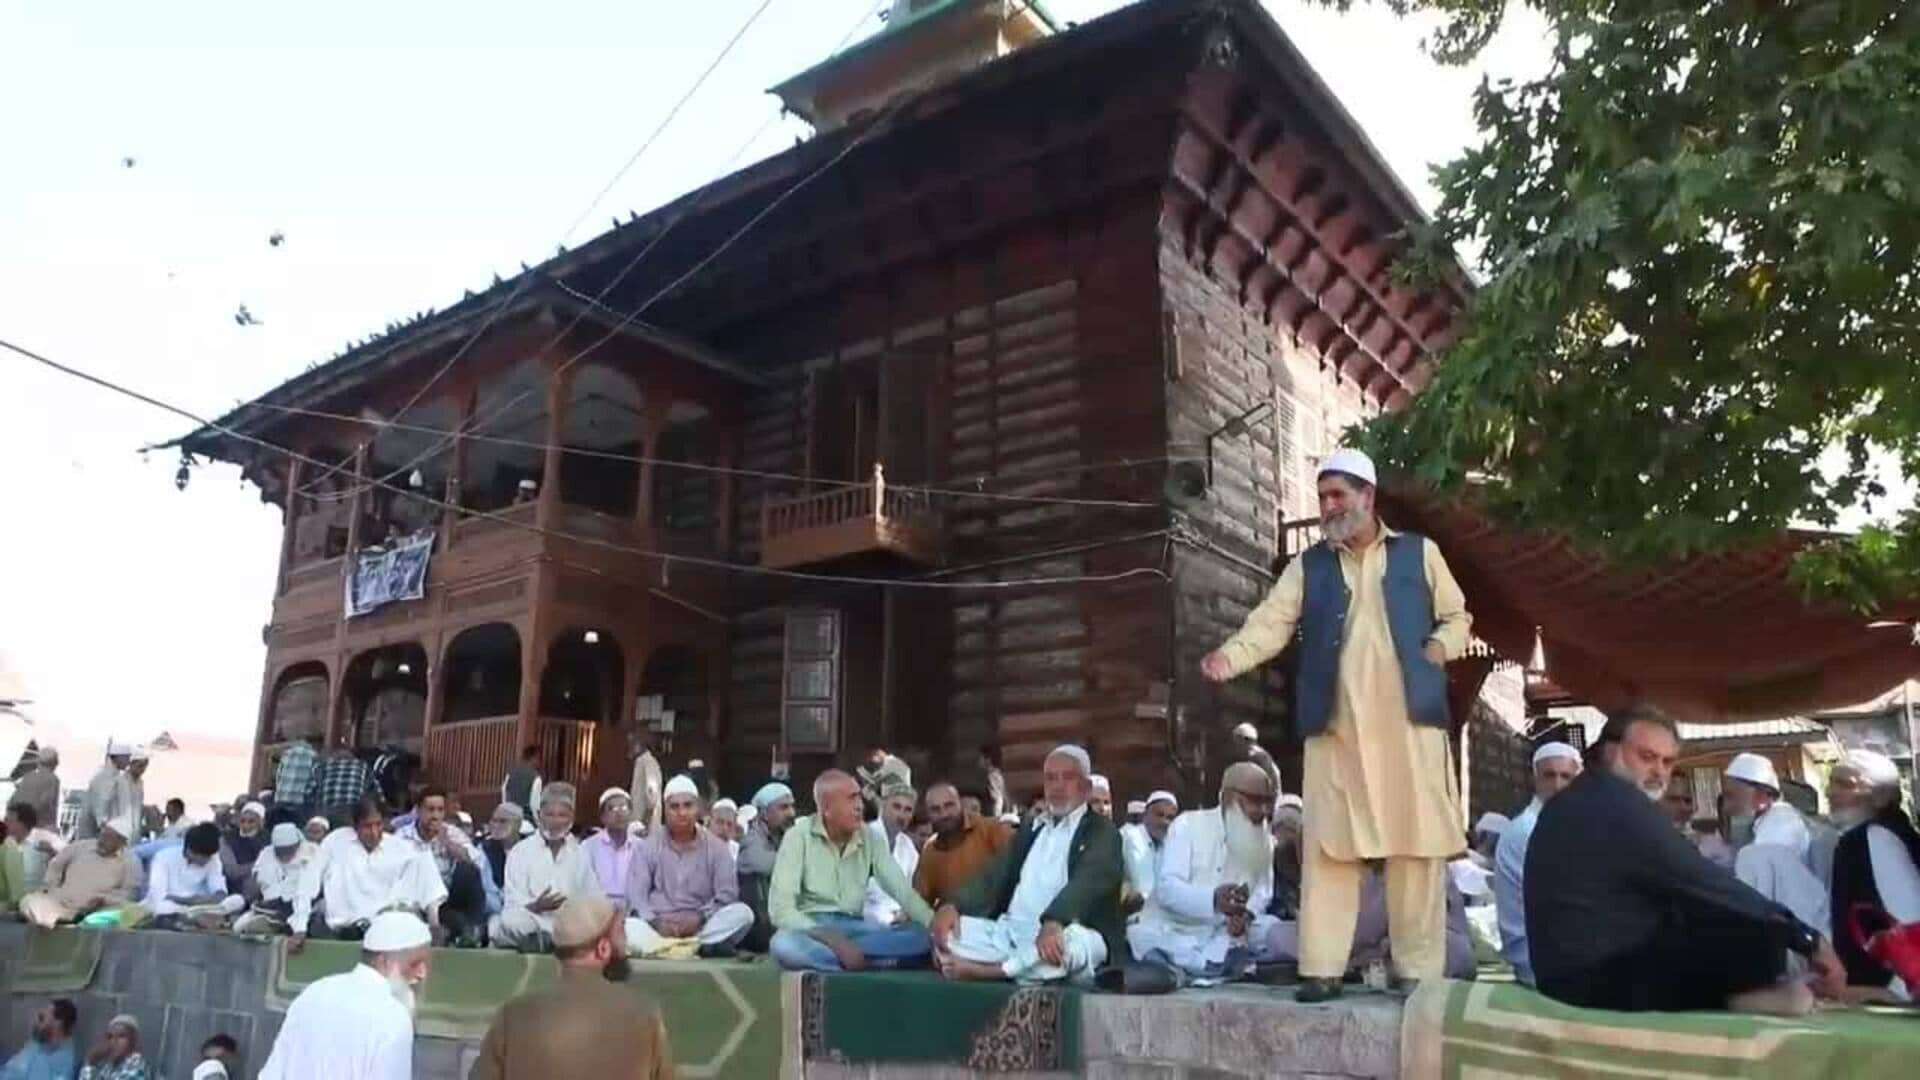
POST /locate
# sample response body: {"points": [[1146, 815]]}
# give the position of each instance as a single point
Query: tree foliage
{"points": [[1697, 236]]}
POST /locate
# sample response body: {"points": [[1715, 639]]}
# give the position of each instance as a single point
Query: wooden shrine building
{"points": [[867, 442]]}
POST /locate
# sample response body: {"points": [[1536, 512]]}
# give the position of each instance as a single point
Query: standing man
{"points": [[340, 782], [881, 770], [358, 1025], [611, 849], [1555, 765], [893, 831], [1380, 615], [648, 801], [293, 780], [40, 789], [589, 1024], [103, 798], [522, 785]]}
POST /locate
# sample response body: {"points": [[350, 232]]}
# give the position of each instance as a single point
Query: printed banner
{"points": [[383, 575]]}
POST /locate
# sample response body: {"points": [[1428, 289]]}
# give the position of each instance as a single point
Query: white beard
{"points": [[1847, 819], [402, 993], [1341, 528], [1249, 849]]}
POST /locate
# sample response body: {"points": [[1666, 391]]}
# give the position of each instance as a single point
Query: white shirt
{"points": [[1044, 873], [1509, 895], [1783, 825], [1179, 918], [171, 875], [445, 849], [280, 880], [533, 869], [1142, 857], [1894, 874], [880, 908], [344, 1027], [358, 884]]}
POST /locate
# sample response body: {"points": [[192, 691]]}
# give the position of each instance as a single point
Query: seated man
{"points": [[891, 828], [963, 844], [49, 1052], [242, 844], [1142, 844], [87, 876], [462, 916], [611, 849], [759, 848], [507, 827], [819, 887], [1624, 913], [1206, 916], [1875, 862], [1555, 764], [1049, 907], [359, 873], [542, 872], [276, 879], [1755, 809], [187, 887], [682, 883], [723, 821], [1100, 798], [317, 828]]}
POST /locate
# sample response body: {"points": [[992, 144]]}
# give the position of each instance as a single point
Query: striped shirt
{"points": [[293, 780], [340, 781]]}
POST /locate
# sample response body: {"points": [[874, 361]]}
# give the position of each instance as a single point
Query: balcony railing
{"points": [[471, 757], [865, 520]]}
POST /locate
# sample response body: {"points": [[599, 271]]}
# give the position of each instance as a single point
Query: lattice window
{"points": [[810, 684]]}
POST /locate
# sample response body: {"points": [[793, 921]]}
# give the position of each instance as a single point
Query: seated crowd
{"points": [[1590, 892]]}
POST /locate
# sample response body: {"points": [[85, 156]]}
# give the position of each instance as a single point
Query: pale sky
{"points": [[407, 152]]}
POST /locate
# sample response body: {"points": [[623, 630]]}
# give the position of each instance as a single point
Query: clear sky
{"points": [[406, 152]]}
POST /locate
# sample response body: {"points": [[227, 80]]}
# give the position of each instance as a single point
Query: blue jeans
{"points": [[885, 946]]}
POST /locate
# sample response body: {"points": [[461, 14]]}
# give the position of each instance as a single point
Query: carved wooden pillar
{"points": [[653, 421], [436, 697], [456, 474], [548, 513], [289, 523]]}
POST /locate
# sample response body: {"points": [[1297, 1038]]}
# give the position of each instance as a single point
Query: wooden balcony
{"points": [[872, 519], [471, 757]]}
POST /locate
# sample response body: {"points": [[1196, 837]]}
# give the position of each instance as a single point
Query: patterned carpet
{"points": [[56, 962], [915, 1016]]}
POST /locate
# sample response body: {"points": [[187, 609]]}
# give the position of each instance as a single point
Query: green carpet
{"points": [[1456, 1030], [902, 1016], [724, 1019], [56, 962]]}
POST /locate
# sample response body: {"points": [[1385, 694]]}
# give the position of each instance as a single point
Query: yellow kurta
{"points": [[1376, 784]]}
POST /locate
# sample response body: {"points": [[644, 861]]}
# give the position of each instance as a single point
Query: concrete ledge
{"points": [[1239, 1032]]}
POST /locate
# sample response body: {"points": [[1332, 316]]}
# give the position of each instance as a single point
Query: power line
{"points": [[526, 279], [625, 549]]}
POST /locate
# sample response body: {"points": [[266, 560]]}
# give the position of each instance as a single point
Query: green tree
{"points": [[1696, 237]]}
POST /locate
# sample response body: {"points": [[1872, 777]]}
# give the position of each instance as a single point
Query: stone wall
{"points": [[185, 987]]}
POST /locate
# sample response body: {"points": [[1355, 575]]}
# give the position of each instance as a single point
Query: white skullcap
{"points": [[1136, 807], [1166, 795], [396, 931], [210, 1069], [1100, 783], [1010, 818], [725, 804], [1294, 801], [614, 793], [1076, 754], [1754, 769], [696, 763], [1549, 751], [123, 825], [1876, 769], [747, 814], [1246, 731], [1353, 463], [321, 820], [771, 793], [116, 748], [254, 808], [679, 785], [526, 827], [1492, 822], [513, 808], [139, 753], [286, 835]]}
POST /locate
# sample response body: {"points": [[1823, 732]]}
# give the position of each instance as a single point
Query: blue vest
{"points": [[1323, 630]]}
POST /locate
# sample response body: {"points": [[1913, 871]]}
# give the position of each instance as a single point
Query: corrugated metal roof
{"points": [[1785, 727]]}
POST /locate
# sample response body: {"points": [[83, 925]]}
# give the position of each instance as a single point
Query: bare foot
{"points": [[844, 950], [971, 971], [1791, 999]]}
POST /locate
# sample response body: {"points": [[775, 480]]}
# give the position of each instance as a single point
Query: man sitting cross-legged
{"points": [[1049, 907], [359, 873], [820, 885], [682, 883], [463, 916], [543, 871], [1206, 917], [87, 876], [187, 887]]}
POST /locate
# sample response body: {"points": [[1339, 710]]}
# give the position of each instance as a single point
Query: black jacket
{"points": [[1606, 871], [1091, 897]]}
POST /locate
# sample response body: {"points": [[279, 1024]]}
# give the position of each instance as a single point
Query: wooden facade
{"points": [[953, 343]]}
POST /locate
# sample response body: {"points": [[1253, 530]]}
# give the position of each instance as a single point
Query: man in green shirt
{"points": [[820, 884]]}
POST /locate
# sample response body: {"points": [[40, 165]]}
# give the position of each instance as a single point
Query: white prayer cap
{"points": [[1136, 807], [747, 814], [613, 793], [1293, 801], [1076, 754], [125, 1020], [1876, 769], [210, 1069], [1353, 463], [123, 825], [396, 931], [1166, 795], [139, 753], [771, 793], [254, 808], [696, 763], [1246, 731], [526, 827], [527, 485], [725, 804], [679, 785], [321, 820], [1549, 751], [286, 835], [1010, 818], [1492, 822], [116, 748], [1100, 783], [1754, 769]]}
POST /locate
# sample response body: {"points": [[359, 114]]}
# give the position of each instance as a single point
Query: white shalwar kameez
{"points": [[1179, 925], [1009, 941], [344, 1027], [533, 868], [355, 884], [881, 909], [1142, 857]]}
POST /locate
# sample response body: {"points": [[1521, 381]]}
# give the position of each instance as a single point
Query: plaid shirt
{"points": [[341, 781], [293, 781]]}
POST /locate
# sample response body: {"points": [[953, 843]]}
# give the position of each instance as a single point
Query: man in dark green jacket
{"points": [[1049, 907]]}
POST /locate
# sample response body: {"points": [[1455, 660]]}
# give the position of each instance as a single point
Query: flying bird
{"points": [[243, 317], [276, 239], [128, 162]]}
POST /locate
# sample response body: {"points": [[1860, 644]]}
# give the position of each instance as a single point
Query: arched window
{"points": [[299, 708], [386, 692], [483, 673], [583, 678]]}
